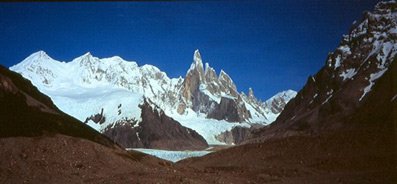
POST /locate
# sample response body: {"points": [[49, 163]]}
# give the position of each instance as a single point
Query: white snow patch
{"points": [[203, 89], [394, 97], [382, 57], [227, 96], [326, 100], [393, 30], [348, 74], [137, 135], [329, 94], [372, 79], [337, 62], [345, 49], [375, 49]]}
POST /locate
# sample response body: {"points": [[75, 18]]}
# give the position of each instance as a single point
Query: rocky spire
{"points": [[194, 77], [196, 66], [197, 58], [210, 74], [227, 84]]}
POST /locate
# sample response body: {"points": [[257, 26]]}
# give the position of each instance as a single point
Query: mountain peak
{"points": [[197, 64], [87, 54], [223, 74], [33, 59], [287, 95], [197, 61], [277, 102], [39, 55], [197, 56], [85, 58]]}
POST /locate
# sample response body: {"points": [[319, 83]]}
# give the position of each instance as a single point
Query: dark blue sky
{"points": [[268, 45]]}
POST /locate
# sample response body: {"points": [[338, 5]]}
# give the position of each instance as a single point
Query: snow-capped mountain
{"points": [[107, 91], [217, 97], [275, 105], [343, 88]]}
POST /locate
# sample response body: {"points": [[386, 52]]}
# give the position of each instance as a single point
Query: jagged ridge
{"points": [[113, 88]]}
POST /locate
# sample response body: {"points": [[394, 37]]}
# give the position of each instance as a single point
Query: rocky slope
{"points": [[110, 90], [344, 85]]}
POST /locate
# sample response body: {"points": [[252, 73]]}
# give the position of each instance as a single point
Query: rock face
{"points": [[217, 97], [237, 134], [345, 85], [230, 109], [156, 130]]}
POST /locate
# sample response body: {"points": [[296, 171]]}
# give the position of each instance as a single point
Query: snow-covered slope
{"points": [[275, 105], [113, 88]]}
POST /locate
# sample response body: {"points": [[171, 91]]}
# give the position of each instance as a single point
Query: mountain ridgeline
{"points": [[108, 93]]}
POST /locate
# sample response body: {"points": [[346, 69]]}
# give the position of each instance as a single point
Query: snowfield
{"points": [[208, 128]]}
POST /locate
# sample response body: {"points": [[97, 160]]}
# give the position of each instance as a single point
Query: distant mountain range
{"points": [[106, 93]]}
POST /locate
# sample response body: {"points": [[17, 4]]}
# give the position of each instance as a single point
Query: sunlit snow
{"points": [[372, 79], [348, 74]]}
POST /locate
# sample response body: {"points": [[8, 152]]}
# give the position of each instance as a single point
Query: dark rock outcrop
{"points": [[229, 109], [237, 134], [156, 130], [97, 118]]}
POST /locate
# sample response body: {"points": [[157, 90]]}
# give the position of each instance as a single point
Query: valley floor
{"points": [[346, 157]]}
